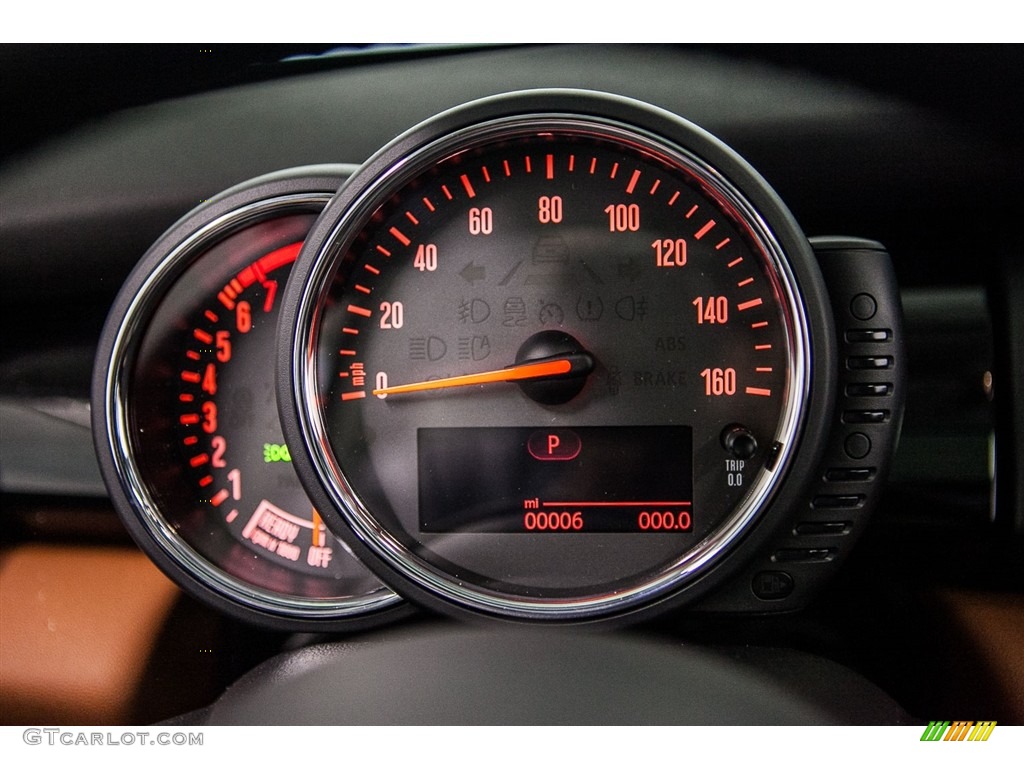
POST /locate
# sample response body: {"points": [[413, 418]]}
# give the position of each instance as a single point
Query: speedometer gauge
{"points": [[555, 355], [189, 437]]}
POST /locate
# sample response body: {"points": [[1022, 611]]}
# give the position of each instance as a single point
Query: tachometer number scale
{"points": [[248, 482], [193, 448]]}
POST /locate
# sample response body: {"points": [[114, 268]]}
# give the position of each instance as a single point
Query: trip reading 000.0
{"points": [[565, 521]]}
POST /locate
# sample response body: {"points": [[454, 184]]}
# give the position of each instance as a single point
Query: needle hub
{"points": [[563, 387]]}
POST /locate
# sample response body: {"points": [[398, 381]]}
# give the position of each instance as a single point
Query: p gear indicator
{"points": [[554, 445]]}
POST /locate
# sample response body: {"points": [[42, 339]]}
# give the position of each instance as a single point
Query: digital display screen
{"points": [[555, 480]]}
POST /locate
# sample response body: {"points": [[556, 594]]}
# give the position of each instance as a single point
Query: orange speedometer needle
{"points": [[559, 367]]}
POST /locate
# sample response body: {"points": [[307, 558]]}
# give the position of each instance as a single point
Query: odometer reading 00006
{"points": [[554, 325]]}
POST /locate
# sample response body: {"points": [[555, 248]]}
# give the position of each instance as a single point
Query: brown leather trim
{"points": [[77, 627], [987, 663]]}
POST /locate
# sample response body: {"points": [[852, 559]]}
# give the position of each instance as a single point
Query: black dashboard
{"points": [[911, 150]]}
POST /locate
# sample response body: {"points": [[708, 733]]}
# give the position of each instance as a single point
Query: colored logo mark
{"points": [[959, 730]]}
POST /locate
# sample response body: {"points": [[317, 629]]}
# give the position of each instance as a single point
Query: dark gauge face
{"points": [[209, 472], [551, 365]]}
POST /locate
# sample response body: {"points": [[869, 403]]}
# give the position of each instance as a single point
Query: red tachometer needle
{"points": [[565, 366]]}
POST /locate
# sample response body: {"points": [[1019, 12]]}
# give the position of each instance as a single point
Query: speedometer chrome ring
{"points": [[549, 356], [186, 421]]}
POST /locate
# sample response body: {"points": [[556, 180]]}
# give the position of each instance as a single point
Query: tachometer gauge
{"points": [[555, 355], [186, 422]]}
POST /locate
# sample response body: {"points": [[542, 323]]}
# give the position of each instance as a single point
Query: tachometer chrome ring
{"points": [[300, 191]]}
